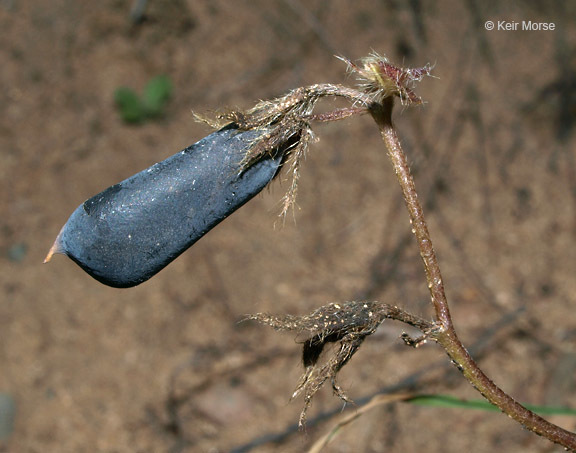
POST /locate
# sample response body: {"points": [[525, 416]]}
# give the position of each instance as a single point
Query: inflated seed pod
{"points": [[132, 230]]}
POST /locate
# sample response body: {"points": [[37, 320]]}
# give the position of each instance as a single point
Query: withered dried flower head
{"points": [[382, 79]]}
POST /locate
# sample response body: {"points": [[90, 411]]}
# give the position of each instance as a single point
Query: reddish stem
{"points": [[446, 334]]}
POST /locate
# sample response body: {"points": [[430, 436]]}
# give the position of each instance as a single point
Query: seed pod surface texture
{"points": [[132, 230]]}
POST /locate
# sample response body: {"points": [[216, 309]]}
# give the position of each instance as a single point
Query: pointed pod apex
{"points": [[55, 249]]}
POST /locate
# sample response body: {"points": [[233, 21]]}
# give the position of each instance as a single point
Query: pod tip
{"points": [[56, 248]]}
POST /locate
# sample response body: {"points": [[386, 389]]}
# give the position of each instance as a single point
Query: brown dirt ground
{"points": [[166, 366]]}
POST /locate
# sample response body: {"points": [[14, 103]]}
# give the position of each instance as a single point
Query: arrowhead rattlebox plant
{"points": [[119, 238]]}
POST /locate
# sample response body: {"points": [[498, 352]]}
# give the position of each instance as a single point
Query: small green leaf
{"points": [[131, 108], [450, 401], [157, 93]]}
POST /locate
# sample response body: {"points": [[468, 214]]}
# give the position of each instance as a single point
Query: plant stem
{"points": [[446, 334]]}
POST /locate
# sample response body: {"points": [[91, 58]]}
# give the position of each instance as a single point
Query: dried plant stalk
{"points": [[350, 324]]}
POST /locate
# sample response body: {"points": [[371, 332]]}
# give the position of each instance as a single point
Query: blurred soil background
{"points": [[167, 366]]}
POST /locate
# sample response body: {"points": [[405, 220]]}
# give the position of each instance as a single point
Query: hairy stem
{"points": [[446, 334]]}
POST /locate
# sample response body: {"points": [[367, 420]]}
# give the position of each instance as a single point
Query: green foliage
{"points": [[130, 106], [450, 401], [157, 93], [136, 109]]}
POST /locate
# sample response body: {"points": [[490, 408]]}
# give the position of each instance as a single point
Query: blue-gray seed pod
{"points": [[132, 230]]}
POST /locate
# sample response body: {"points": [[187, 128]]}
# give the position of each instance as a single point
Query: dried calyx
{"points": [[289, 118], [348, 324]]}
